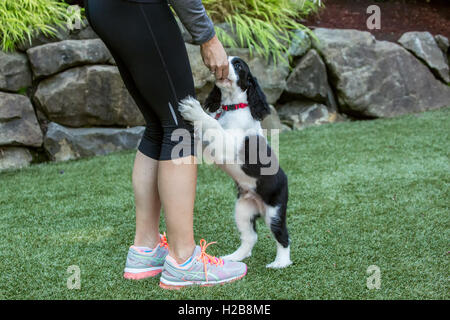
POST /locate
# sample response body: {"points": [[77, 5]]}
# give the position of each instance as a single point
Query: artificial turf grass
{"points": [[361, 193]]}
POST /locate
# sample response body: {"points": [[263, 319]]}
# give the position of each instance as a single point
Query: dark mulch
{"points": [[397, 16]]}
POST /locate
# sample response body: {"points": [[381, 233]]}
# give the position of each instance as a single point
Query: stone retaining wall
{"points": [[63, 98]]}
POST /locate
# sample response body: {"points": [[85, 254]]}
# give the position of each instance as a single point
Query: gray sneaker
{"points": [[142, 264], [200, 269]]}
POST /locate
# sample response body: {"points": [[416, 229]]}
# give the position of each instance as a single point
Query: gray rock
{"points": [[85, 32], [203, 92], [442, 42], [61, 33], [15, 72], [423, 46], [200, 72], [271, 77], [377, 78], [18, 123], [300, 44], [331, 100], [303, 114], [14, 158], [54, 57], [86, 96], [186, 35], [64, 143], [309, 78], [272, 121]]}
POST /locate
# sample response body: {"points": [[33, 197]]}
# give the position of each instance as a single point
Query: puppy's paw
{"points": [[278, 264], [236, 256], [190, 109]]}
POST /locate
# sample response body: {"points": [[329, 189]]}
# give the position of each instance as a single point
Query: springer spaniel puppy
{"points": [[232, 132]]}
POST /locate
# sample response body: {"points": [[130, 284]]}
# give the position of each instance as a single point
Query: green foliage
{"points": [[264, 26], [21, 19]]}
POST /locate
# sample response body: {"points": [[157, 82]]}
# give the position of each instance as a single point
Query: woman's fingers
{"points": [[218, 73], [215, 58], [225, 70]]}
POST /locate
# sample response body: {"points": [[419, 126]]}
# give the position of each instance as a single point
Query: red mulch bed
{"points": [[397, 16]]}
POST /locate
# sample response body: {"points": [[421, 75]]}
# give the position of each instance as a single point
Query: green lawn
{"points": [[361, 193]]}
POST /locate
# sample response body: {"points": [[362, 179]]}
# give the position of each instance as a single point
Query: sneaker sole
{"points": [[141, 275], [201, 284]]}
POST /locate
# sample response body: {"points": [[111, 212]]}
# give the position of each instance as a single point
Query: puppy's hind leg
{"points": [[276, 220], [246, 212]]}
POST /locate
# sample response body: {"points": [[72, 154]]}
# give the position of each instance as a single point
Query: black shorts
{"points": [[148, 48]]}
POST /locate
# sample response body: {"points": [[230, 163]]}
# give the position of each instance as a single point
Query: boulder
{"points": [[302, 114], [300, 44], [203, 92], [64, 143], [15, 72], [424, 46], [61, 33], [18, 123], [271, 77], [272, 121], [200, 72], [87, 96], [83, 33], [14, 157], [309, 78], [443, 43], [54, 57], [377, 78], [186, 35]]}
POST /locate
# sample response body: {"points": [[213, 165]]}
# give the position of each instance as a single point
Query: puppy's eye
{"points": [[238, 67]]}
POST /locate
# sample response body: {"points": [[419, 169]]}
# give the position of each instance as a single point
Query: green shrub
{"points": [[264, 26], [21, 19]]}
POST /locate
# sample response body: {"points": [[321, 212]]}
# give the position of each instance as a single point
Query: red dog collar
{"points": [[231, 107]]}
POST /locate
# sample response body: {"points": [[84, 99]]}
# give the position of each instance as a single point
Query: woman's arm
{"points": [[193, 16]]}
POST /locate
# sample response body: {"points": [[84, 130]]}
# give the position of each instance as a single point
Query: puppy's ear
{"points": [[259, 107], [212, 103]]}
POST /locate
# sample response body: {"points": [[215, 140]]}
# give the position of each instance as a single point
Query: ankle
{"points": [[146, 242], [181, 255]]}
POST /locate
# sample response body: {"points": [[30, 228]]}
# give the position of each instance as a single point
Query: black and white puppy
{"points": [[235, 108]]}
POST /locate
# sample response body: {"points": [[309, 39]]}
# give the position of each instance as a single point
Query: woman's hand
{"points": [[215, 58]]}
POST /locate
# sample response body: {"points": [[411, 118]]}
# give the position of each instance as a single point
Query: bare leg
{"points": [[148, 205], [176, 184]]}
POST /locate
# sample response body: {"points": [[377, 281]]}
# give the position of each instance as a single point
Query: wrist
{"points": [[209, 42]]}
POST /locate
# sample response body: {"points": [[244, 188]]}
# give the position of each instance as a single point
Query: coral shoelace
{"points": [[163, 241], [206, 258]]}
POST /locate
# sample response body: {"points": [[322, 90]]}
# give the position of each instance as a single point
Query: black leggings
{"points": [[149, 51]]}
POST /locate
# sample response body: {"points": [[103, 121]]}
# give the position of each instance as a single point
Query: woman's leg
{"points": [[148, 41], [148, 205], [177, 184], [156, 71]]}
